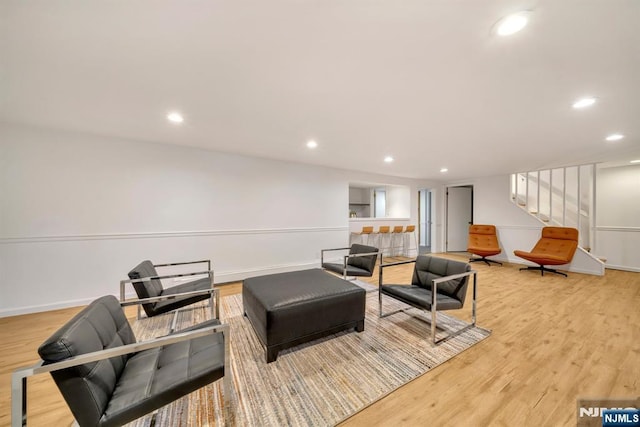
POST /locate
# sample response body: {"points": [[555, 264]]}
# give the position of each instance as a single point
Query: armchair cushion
{"points": [[420, 297], [165, 306], [149, 289], [428, 268], [366, 263]]}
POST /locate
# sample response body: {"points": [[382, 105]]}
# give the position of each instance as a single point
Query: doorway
{"points": [[424, 222], [459, 217]]}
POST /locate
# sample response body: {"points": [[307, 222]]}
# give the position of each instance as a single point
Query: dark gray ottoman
{"points": [[288, 309]]}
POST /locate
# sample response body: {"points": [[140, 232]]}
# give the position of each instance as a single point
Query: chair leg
{"points": [[227, 380], [542, 269], [174, 321], [18, 400], [485, 260], [433, 326]]}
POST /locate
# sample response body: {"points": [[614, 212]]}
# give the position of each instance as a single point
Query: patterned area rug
{"points": [[316, 384], [364, 285]]}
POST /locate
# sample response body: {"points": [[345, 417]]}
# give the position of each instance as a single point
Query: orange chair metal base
{"points": [[485, 259], [542, 269]]}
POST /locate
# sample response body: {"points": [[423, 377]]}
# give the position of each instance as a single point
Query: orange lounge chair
{"points": [[483, 241], [556, 247]]}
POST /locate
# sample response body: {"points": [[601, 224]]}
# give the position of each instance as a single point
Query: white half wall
{"points": [[77, 212]]}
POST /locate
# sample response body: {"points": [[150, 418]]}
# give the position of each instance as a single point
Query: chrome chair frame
{"points": [[346, 258], [215, 305], [434, 301], [19, 376]]}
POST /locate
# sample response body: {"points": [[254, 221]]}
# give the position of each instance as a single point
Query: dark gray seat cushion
{"points": [[154, 288], [356, 266], [451, 294], [115, 391]]}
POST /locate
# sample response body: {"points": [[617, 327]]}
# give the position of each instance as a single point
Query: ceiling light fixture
{"points": [[388, 159], [635, 161], [312, 144], [513, 23], [175, 117], [614, 137], [584, 102], [443, 170]]}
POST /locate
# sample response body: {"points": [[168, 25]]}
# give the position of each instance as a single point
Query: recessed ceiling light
{"points": [[635, 161], [312, 144], [511, 24], [443, 170], [584, 102], [388, 159], [175, 117], [614, 137]]}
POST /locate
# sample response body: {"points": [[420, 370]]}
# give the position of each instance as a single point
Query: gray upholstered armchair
{"points": [[155, 299], [109, 379], [437, 284], [360, 261]]}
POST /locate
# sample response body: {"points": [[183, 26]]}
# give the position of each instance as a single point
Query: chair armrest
{"points": [[346, 257], [169, 276], [322, 251], [20, 375], [171, 264], [124, 303], [390, 264], [435, 282]]}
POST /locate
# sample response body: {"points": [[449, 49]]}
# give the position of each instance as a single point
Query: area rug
{"points": [[364, 285], [316, 384]]}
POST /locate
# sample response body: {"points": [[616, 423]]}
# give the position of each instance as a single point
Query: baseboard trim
{"points": [[623, 268]]}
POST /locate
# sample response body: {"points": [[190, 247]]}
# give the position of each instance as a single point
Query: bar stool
{"points": [[411, 229], [383, 231], [366, 232], [396, 234]]}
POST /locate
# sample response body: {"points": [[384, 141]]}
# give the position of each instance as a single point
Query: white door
{"points": [[459, 217]]}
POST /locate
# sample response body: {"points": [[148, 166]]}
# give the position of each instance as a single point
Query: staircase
{"points": [[561, 197]]}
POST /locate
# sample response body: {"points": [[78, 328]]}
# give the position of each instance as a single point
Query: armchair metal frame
{"points": [[215, 305], [20, 375], [434, 301], [345, 258]]}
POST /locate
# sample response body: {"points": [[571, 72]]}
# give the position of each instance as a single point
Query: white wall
{"points": [[618, 216], [398, 202], [77, 212]]}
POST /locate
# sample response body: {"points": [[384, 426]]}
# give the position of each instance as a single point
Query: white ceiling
{"points": [[424, 81]]}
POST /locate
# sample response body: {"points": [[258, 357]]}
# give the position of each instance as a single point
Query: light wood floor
{"points": [[554, 339]]}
